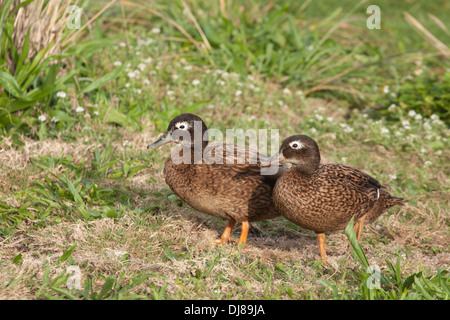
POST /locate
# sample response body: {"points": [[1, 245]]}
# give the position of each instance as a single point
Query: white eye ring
{"points": [[296, 145], [183, 125]]}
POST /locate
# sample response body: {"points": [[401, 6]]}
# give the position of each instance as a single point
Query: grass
{"points": [[81, 192]]}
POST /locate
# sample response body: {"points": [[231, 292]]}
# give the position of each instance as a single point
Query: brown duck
{"points": [[325, 197], [219, 179]]}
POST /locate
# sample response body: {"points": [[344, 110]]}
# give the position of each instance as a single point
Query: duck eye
{"points": [[182, 126], [294, 146]]}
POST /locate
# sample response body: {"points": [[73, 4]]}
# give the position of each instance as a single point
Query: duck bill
{"points": [[275, 159], [164, 139]]}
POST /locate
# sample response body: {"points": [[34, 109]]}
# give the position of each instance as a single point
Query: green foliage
{"points": [[425, 94], [112, 289], [257, 47], [391, 284], [277, 42], [33, 81], [77, 191]]}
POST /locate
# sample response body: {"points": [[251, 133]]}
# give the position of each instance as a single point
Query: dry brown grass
{"points": [[46, 23], [419, 233]]}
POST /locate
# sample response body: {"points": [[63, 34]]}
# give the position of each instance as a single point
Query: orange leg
{"points": [[323, 254], [244, 233], [358, 227], [226, 235]]}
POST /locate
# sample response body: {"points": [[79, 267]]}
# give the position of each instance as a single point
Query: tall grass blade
{"points": [[107, 286], [357, 249], [104, 79], [67, 253]]}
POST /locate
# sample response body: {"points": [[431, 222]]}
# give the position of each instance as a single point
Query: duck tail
{"points": [[394, 201]]}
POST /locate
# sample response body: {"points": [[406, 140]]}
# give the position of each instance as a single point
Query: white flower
{"points": [[156, 30], [427, 163], [42, 118], [175, 76], [384, 130], [392, 107], [127, 85], [330, 119], [238, 93], [299, 93], [434, 117], [348, 129], [148, 60], [54, 119], [126, 143], [120, 254], [286, 91], [170, 92], [385, 89], [411, 113], [418, 71], [234, 75], [79, 109], [96, 113], [196, 82], [137, 91], [117, 63], [418, 117], [141, 66], [134, 74], [123, 44], [319, 117], [188, 67], [392, 176], [146, 82], [61, 94], [313, 130], [406, 124], [221, 82]]}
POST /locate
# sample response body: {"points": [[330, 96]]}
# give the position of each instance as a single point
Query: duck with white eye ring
{"points": [[236, 191], [325, 197]]}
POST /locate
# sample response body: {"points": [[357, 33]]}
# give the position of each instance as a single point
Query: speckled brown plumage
{"points": [[227, 191], [236, 192], [325, 197]]}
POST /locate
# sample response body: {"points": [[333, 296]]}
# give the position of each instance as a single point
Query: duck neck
{"points": [[307, 166], [306, 169], [191, 154]]}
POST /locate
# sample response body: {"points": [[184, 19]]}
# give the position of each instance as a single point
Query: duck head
{"points": [[300, 151], [187, 129]]}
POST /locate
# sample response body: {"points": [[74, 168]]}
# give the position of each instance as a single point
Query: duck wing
{"points": [[242, 160], [354, 179]]}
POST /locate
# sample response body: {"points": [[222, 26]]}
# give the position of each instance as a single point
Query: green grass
{"points": [[80, 189]]}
